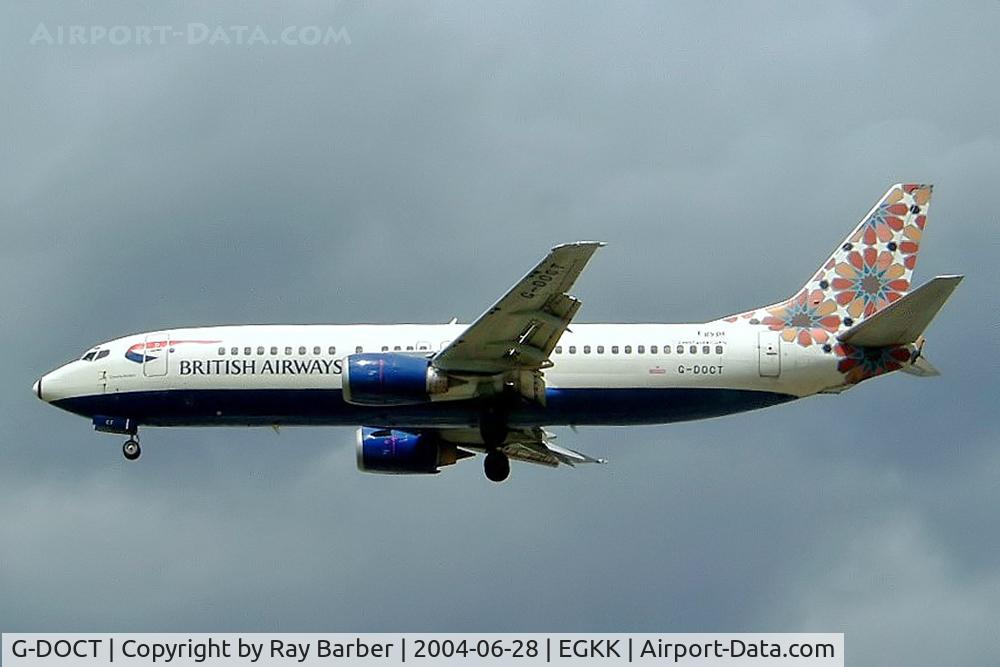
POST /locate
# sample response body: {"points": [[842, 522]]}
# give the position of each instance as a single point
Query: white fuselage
{"points": [[292, 374]]}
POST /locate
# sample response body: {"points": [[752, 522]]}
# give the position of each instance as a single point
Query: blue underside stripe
{"points": [[222, 407]]}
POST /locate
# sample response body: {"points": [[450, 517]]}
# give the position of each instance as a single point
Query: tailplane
{"points": [[921, 368], [903, 321]]}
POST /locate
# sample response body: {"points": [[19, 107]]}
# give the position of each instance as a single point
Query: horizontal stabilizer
{"points": [[921, 368], [902, 322]]}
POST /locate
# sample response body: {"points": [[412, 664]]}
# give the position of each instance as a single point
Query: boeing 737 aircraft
{"points": [[428, 395]]}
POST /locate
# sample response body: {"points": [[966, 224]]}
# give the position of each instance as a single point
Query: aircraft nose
{"points": [[36, 388]]}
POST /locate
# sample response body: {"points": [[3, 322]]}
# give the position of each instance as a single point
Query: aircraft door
{"points": [[769, 350], [155, 354]]}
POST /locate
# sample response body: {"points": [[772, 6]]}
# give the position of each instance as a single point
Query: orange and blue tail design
{"points": [[870, 269]]}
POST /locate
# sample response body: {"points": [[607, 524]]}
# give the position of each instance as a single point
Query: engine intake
{"points": [[391, 379], [393, 452]]}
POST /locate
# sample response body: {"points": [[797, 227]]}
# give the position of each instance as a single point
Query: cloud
{"points": [[412, 176], [899, 596]]}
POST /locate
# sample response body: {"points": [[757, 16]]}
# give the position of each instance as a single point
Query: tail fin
{"points": [[869, 270], [873, 267]]}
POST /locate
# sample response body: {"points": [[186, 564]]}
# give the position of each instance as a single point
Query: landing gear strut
{"points": [[493, 426], [493, 431], [131, 449], [496, 466]]}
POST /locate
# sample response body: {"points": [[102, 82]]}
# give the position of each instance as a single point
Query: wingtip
{"points": [[581, 244]]}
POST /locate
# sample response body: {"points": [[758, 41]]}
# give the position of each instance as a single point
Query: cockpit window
{"points": [[89, 356], [102, 354]]}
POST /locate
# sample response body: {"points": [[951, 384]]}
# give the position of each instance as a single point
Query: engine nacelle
{"points": [[390, 379], [393, 452]]}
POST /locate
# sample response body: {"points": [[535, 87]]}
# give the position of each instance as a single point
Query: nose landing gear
{"points": [[131, 449]]}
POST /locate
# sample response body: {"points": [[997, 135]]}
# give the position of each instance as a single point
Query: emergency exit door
{"points": [[769, 350]]}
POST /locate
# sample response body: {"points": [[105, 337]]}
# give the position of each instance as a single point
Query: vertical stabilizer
{"points": [[873, 266], [869, 270]]}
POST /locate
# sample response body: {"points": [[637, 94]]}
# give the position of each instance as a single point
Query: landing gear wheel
{"points": [[131, 449], [496, 466]]}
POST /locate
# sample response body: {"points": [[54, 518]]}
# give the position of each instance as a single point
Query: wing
{"points": [[520, 330], [531, 445]]}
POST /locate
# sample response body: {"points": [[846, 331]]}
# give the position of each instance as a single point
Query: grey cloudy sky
{"points": [[412, 175]]}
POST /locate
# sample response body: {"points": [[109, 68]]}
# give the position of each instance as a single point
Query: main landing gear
{"points": [[496, 466], [493, 430], [131, 449]]}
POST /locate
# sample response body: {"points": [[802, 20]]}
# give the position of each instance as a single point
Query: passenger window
{"points": [[652, 349], [397, 348], [693, 349], [600, 349], [385, 348], [558, 349], [421, 347], [358, 349], [222, 351], [680, 349], [641, 349], [234, 351], [247, 351], [260, 350], [718, 349], [102, 354], [317, 350], [274, 351], [409, 348], [572, 349], [666, 349], [705, 349], [288, 351], [614, 349], [332, 350], [302, 349], [586, 349], [628, 349]]}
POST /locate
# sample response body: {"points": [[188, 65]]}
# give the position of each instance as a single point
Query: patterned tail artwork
{"points": [[872, 268]]}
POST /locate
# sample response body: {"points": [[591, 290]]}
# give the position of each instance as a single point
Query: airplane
{"points": [[425, 396]]}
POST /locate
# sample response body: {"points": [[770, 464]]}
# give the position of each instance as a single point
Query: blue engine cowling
{"points": [[389, 379], [395, 452]]}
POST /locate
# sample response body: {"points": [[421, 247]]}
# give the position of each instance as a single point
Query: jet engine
{"points": [[393, 452], [391, 379]]}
